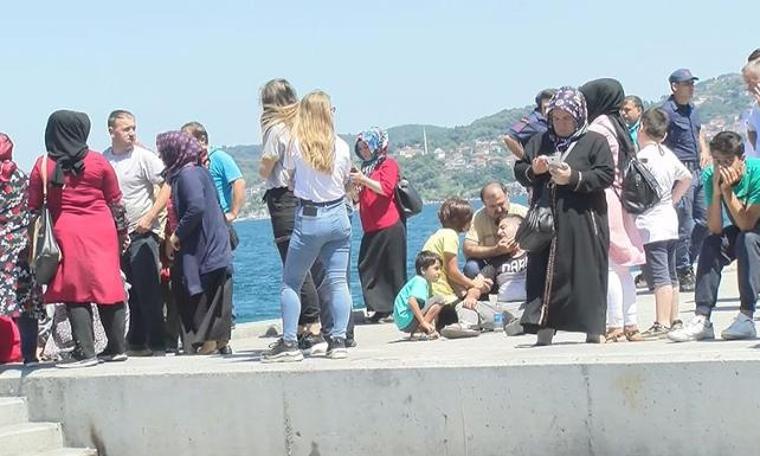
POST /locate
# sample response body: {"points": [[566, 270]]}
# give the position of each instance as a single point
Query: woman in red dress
{"points": [[85, 203]]}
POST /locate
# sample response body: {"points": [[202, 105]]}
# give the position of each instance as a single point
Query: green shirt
{"points": [[747, 190], [417, 288]]}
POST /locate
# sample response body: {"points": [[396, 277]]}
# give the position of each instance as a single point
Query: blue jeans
{"points": [[472, 267], [326, 236], [692, 220]]}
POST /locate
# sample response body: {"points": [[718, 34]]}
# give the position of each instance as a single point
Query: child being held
{"points": [[413, 309]]}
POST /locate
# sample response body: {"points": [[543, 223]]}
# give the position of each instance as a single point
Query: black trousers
{"points": [[146, 317], [28, 326], [113, 318]]}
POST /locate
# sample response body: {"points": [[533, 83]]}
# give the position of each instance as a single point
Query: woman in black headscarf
{"points": [[604, 98], [570, 276], [82, 193]]}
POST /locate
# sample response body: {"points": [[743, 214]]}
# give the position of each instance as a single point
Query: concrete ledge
{"points": [[676, 408], [490, 395]]}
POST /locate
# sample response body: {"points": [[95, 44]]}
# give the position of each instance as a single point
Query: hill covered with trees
{"points": [[461, 159]]}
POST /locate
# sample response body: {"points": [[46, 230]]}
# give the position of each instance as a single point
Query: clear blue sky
{"points": [[384, 63]]}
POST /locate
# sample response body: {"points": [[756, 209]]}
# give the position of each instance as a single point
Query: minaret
{"points": [[424, 139]]}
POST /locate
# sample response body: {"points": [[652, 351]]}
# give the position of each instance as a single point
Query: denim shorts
{"points": [[661, 263]]}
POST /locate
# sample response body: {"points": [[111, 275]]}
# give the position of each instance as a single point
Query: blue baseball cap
{"points": [[681, 75]]}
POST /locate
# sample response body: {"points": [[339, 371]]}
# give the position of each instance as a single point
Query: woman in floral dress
{"points": [[20, 296]]}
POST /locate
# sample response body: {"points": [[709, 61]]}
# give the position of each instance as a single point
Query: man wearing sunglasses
{"points": [[686, 139]]}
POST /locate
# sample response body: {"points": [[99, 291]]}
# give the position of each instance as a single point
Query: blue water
{"points": [[258, 269]]}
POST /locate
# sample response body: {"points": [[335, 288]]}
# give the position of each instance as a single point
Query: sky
{"points": [[384, 63]]}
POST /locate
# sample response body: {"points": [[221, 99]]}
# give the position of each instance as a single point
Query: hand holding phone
{"points": [[554, 160]]}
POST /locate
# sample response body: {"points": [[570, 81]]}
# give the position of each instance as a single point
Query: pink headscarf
{"points": [[7, 165]]}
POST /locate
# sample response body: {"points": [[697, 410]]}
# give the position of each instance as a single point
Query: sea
{"points": [[258, 268]]}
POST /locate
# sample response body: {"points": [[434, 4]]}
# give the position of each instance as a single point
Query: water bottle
{"points": [[498, 316], [498, 321]]}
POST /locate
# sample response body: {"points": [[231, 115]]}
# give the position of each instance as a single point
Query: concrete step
{"points": [[28, 438], [13, 411], [67, 452]]}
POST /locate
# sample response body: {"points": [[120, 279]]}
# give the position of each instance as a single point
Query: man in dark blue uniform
{"points": [[527, 127], [686, 140]]}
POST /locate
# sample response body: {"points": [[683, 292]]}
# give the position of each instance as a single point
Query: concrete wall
{"points": [[700, 408]]}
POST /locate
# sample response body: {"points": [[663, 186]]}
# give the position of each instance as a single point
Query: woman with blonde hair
{"points": [[319, 163], [279, 106]]}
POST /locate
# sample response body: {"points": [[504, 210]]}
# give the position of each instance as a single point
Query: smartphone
{"points": [[554, 160]]}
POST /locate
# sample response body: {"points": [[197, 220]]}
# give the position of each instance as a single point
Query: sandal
{"points": [[614, 335], [208, 348], [633, 334]]}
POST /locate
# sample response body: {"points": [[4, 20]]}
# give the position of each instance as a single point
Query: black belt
{"points": [[324, 204]]}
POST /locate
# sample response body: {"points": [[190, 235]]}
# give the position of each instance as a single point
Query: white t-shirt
{"points": [[316, 186], [660, 223], [276, 143], [511, 274], [511, 278], [138, 171], [753, 124]]}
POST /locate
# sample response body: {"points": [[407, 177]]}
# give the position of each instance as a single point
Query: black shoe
{"points": [[226, 350], [350, 342], [312, 345], [282, 351], [108, 357], [336, 348], [687, 281], [379, 317]]}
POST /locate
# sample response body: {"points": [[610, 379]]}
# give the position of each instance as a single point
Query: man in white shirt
{"points": [[751, 74], [139, 172]]}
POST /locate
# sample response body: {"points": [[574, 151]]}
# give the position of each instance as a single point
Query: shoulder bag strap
{"points": [[43, 171]]}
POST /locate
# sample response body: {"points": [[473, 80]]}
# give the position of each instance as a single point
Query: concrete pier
{"points": [[491, 395]]}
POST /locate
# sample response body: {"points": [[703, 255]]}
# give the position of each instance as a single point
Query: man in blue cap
{"points": [[686, 139]]}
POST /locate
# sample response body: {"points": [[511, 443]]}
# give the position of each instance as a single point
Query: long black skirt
{"points": [[382, 266], [207, 316]]}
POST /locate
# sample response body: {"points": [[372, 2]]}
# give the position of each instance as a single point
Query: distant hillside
{"points": [[462, 158]]}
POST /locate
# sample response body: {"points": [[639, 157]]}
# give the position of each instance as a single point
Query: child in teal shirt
{"points": [[413, 309]]}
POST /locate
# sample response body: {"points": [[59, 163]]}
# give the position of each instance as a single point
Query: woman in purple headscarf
{"points": [[569, 276], [201, 244]]}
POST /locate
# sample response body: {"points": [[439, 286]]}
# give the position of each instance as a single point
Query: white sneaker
{"points": [[742, 328], [698, 328]]}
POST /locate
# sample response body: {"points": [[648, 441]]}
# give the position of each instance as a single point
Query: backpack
{"points": [[639, 190]]}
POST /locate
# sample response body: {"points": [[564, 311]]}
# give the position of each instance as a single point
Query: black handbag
{"points": [[409, 200], [536, 231], [46, 252]]}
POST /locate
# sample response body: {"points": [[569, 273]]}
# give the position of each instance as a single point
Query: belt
{"points": [[306, 202]]}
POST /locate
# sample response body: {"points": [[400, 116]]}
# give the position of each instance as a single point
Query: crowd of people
{"points": [[145, 242], [147, 238]]}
